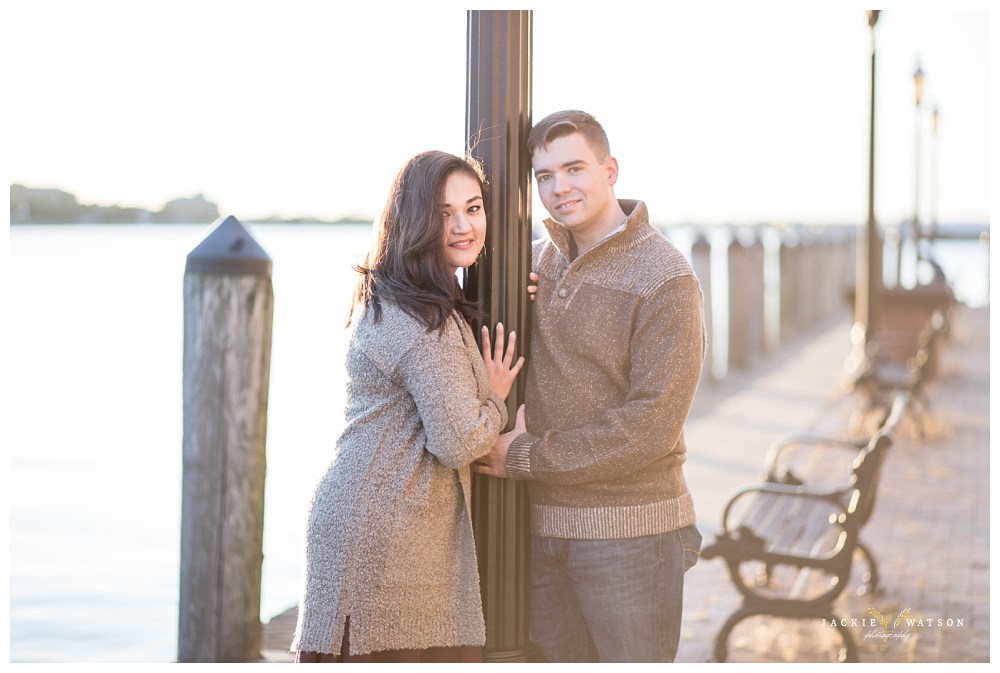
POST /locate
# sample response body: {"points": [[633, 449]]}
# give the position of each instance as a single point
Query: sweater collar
{"points": [[637, 219]]}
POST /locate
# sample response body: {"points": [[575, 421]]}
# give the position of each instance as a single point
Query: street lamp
{"points": [[918, 91], [869, 266], [934, 173], [498, 98]]}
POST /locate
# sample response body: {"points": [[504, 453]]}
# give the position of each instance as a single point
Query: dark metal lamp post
{"points": [[869, 267], [918, 94], [498, 119], [934, 172]]}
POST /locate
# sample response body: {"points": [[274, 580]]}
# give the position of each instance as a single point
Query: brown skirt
{"points": [[465, 654]]}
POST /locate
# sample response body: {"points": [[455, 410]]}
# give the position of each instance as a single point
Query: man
{"points": [[616, 356]]}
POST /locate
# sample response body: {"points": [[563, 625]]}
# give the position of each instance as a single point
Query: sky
{"points": [[721, 113]]}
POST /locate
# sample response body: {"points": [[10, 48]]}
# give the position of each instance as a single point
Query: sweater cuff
{"points": [[501, 407], [518, 461]]}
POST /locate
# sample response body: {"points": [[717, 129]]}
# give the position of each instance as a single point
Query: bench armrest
{"points": [[836, 497], [777, 469]]}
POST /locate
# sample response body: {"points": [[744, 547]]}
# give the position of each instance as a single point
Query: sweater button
{"points": [[563, 292]]}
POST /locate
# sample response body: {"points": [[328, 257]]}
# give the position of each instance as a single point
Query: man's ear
{"points": [[611, 166]]}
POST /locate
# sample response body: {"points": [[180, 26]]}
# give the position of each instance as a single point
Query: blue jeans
{"points": [[610, 600]]}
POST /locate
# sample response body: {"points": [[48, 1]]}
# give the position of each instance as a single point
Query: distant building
{"points": [[115, 215], [194, 210], [42, 205], [30, 205]]}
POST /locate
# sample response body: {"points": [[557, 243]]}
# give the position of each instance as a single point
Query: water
{"points": [[965, 264], [96, 351], [96, 371]]}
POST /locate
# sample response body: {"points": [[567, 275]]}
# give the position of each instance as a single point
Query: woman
{"points": [[390, 572]]}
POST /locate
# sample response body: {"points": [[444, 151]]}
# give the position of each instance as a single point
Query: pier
{"points": [[930, 529], [148, 437], [788, 350]]}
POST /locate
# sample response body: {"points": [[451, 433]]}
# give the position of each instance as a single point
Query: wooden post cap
{"points": [[229, 249]]}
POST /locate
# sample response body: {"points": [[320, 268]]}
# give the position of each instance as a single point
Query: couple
{"points": [[616, 355]]}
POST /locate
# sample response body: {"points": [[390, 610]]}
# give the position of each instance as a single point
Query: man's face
{"points": [[574, 185]]}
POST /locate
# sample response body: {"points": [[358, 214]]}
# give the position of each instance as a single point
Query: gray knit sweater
{"points": [[616, 354], [389, 539]]}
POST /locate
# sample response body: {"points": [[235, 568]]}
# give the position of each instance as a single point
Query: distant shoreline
{"points": [[55, 207], [290, 222], [50, 206]]}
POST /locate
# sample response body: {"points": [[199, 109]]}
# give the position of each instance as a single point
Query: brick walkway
{"points": [[929, 533]]}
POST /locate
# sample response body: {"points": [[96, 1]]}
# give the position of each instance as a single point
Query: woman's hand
{"points": [[498, 362], [533, 286]]}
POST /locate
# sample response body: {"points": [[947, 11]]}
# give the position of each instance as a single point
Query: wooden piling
{"points": [[737, 347], [228, 309], [789, 273], [701, 262], [746, 300], [808, 292], [756, 285], [830, 269], [848, 265]]}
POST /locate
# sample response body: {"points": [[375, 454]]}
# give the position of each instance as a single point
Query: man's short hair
{"points": [[565, 122]]}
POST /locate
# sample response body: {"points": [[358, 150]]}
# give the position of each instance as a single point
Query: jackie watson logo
{"points": [[900, 627]]}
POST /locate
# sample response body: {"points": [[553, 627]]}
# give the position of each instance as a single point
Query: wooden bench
{"points": [[880, 375], [790, 542]]}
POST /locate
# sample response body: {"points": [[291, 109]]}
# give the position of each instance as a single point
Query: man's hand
{"points": [[494, 463], [533, 285]]}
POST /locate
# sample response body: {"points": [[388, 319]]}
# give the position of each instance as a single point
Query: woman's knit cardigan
{"points": [[389, 540]]}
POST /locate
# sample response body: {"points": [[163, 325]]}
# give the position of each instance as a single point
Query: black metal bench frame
{"points": [[808, 530]]}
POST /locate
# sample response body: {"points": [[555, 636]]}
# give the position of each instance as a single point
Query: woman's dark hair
{"points": [[406, 265]]}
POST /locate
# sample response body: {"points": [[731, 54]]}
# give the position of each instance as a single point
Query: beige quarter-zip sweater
{"points": [[389, 538], [616, 354]]}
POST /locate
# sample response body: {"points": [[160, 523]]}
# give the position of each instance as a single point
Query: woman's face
{"points": [[464, 220]]}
